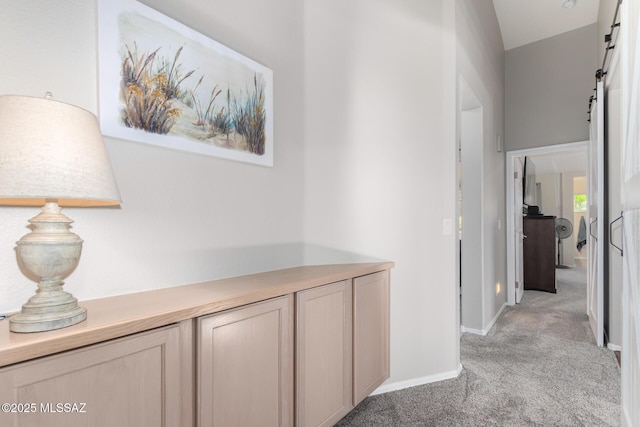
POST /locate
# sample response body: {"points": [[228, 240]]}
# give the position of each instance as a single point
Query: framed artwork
{"points": [[163, 83]]}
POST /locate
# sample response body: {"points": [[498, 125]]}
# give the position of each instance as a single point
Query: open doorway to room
{"points": [[470, 202], [545, 181], [560, 190]]}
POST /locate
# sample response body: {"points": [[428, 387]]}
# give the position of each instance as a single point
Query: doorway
{"points": [[470, 204], [514, 206]]}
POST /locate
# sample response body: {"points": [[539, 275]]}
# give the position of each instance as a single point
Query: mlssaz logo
{"points": [[67, 408]]}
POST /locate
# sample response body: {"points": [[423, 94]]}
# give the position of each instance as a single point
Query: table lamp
{"points": [[51, 155]]}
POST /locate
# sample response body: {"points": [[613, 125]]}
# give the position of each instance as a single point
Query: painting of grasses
{"points": [[164, 84]]}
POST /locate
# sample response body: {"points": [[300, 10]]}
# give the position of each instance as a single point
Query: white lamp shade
{"points": [[52, 150]]}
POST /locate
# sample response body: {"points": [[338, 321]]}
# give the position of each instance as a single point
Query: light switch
{"points": [[447, 226]]}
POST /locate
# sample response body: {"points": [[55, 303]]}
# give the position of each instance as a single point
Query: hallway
{"points": [[538, 365]]}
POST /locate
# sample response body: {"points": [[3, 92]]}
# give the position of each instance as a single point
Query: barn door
{"points": [[595, 213]]}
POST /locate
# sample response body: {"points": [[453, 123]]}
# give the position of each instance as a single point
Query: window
{"points": [[580, 202]]}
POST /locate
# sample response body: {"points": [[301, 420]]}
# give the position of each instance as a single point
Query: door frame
{"points": [[471, 148], [518, 229], [511, 203]]}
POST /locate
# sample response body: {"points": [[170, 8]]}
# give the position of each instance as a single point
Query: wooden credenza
{"points": [[229, 352], [539, 253]]}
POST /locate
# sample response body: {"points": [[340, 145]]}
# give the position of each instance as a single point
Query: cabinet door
{"points": [[371, 333], [245, 366], [133, 381], [323, 354], [539, 253]]}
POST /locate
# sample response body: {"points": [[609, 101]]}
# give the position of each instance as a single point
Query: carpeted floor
{"points": [[538, 366]]}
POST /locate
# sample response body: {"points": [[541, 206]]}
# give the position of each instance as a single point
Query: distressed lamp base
{"points": [[50, 253], [22, 322]]}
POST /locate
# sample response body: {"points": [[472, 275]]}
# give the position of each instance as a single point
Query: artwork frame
{"points": [[165, 84]]}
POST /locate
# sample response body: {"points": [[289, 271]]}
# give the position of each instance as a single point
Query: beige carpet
{"points": [[538, 366]]}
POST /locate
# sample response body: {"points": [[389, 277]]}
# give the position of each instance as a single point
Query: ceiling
{"points": [[564, 162], [526, 21]]}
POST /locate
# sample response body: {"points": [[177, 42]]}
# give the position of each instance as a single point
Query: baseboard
{"points": [[386, 388], [473, 331], [626, 418], [495, 318], [489, 326], [614, 347]]}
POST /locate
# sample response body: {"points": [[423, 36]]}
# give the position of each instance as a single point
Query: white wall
{"points": [[549, 185], [380, 159], [548, 85], [184, 217], [554, 187], [480, 61]]}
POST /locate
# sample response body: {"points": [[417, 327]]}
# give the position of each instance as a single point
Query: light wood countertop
{"points": [[114, 317]]}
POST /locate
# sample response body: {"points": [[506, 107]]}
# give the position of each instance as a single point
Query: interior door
{"points": [[630, 197], [595, 213], [519, 234]]}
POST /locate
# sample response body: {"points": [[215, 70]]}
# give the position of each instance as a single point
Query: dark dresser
{"points": [[539, 253]]}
